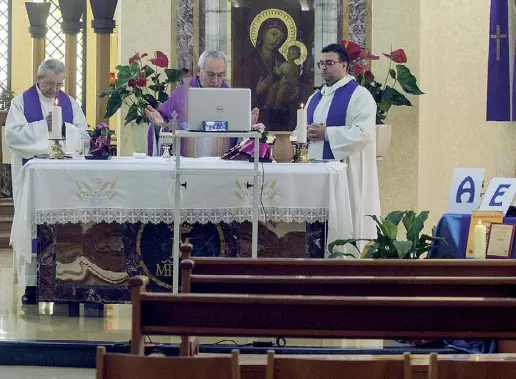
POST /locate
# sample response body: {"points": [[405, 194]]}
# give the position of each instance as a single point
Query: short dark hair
{"points": [[339, 49]]}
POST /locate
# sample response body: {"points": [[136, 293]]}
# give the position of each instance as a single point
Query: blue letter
{"points": [[462, 190], [498, 193]]}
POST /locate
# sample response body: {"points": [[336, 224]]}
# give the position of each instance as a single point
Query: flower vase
{"points": [[99, 147], [283, 151], [139, 136]]}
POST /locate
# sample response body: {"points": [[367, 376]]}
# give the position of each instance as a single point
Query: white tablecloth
{"points": [[142, 190]]}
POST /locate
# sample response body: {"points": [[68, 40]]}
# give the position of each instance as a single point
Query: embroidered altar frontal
{"points": [[100, 223]]}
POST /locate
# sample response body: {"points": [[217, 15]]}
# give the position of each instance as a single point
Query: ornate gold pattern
{"points": [[273, 13]]}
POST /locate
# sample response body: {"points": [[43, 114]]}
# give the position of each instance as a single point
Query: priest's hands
{"points": [[255, 114], [49, 121], [153, 115], [316, 132]]}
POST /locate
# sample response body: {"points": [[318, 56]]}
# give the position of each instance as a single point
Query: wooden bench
{"points": [[338, 267], [317, 316]]}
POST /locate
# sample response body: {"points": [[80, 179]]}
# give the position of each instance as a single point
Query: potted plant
{"points": [[100, 141], [386, 245], [143, 81], [385, 92]]}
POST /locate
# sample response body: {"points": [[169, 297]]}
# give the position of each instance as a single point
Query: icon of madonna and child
{"points": [[275, 69]]}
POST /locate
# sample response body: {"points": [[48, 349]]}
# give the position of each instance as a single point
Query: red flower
{"points": [[368, 75], [359, 69], [141, 81], [132, 83], [144, 55], [364, 54], [352, 48], [161, 60], [397, 56], [134, 58]]}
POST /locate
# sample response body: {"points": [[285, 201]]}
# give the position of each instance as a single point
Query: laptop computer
{"points": [[232, 105]]}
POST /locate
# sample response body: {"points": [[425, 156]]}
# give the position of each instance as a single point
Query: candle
{"points": [[57, 122], [301, 125], [479, 241]]}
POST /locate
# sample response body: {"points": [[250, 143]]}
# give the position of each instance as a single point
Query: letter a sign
{"points": [[465, 190]]}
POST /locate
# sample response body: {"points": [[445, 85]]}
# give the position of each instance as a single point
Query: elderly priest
{"points": [[211, 74], [342, 125], [27, 129]]}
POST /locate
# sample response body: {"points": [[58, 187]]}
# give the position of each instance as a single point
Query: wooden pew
{"points": [[317, 316], [360, 267]]}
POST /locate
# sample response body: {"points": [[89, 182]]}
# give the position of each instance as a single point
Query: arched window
{"points": [[55, 48]]}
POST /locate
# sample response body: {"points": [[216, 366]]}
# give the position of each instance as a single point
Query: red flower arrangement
{"points": [[139, 84], [384, 94]]}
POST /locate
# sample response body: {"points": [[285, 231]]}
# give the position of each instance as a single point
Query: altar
{"points": [[98, 223]]}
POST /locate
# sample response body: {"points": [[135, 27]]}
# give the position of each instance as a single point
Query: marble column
{"points": [[216, 19], [185, 32], [326, 29], [38, 14], [143, 29], [72, 11], [103, 24]]}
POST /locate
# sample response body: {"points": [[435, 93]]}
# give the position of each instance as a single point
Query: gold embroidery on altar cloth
{"points": [[96, 192]]}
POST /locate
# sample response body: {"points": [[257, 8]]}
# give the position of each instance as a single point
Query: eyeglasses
{"points": [[327, 63], [219, 75], [50, 84]]}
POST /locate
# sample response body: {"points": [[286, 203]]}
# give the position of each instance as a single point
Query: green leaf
{"points": [[408, 81], [391, 230], [395, 217], [392, 73], [132, 114], [134, 69], [151, 100], [113, 105], [403, 248], [162, 97], [173, 75], [148, 71], [394, 97]]}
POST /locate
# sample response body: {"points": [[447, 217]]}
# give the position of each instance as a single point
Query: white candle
{"points": [[301, 125], [479, 241], [57, 122]]}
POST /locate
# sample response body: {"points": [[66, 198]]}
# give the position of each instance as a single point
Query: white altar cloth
{"points": [[142, 190]]}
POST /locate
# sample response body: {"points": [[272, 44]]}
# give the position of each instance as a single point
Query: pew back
{"points": [[311, 368], [470, 369], [126, 366]]}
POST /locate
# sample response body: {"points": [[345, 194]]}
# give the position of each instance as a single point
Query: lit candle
{"points": [[57, 121], [301, 125], [479, 241]]}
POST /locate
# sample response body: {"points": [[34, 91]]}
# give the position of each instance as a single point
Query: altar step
{"points": [[6, 220]]}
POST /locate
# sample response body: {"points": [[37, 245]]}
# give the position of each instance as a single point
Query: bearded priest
{"points": [[342, 125]]}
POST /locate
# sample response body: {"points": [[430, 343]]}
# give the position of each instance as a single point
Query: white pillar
{"points": [[143, 28]]}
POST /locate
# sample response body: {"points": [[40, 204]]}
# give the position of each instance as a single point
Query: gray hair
{"points": [[54, 65], [215, 54]]}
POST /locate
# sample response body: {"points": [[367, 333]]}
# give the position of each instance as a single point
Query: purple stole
{"points": [[32, 108], [337, 113]]}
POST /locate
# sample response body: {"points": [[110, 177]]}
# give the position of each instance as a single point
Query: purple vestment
{"points": [[177, 102], [32, 108], [337, 113]]}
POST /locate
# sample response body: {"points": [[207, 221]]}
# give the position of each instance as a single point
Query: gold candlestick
{"points": [[302, 153], [56, 151]]}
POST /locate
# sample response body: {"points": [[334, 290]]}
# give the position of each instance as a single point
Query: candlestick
{"points": [[479, 241], [57, 122], [301, 125]]}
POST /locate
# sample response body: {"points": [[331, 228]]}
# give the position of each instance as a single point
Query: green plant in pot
{"points": [[386, 245], [6, 96]]}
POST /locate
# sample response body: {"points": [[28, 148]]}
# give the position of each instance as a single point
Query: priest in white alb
{"points": [[27, 131], [342, 125]]}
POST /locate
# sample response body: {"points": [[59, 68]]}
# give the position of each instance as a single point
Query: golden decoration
{"points": [[302, 47], [273, 13]]}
